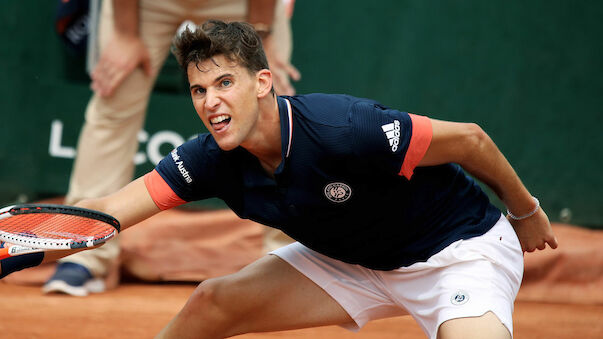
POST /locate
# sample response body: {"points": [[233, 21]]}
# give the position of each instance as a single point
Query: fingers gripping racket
{"points": [[31, 228]]}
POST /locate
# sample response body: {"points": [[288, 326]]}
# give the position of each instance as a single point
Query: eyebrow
{"points": [[218, 78], [222, 76]]}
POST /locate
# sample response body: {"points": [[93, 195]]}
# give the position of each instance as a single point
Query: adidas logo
{"points": [[392, 132]]}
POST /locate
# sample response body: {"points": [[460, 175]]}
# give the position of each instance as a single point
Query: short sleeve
{"points": [[419, 143], [392, 140], [161, 193], [189, 169]]}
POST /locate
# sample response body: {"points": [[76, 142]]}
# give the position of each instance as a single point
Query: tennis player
{"points": [[387, 221]]}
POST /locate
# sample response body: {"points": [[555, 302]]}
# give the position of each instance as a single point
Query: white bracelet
{"points": [[514, 217]]}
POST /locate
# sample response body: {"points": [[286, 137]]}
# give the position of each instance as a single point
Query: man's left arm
{"points": [[469, 146]]}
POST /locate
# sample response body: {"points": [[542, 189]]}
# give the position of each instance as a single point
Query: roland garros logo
{"points": [[338, 192]]}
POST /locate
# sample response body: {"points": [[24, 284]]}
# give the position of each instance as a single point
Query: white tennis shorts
{"points": [[466, 279]]}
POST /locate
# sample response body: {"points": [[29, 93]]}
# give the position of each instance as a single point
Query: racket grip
{"points": [[8, 251], [15, 262]]}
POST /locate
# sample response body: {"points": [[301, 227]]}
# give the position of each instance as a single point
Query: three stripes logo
{"points": [[392, 132]]}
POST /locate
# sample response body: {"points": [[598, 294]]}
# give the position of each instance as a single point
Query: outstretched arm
{"points": [[129, 205], [469, 146]]}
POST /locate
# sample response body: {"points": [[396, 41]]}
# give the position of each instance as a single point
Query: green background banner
{"points": [[529, 72]]}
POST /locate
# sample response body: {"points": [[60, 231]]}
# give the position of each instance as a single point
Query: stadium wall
{"points": [[530, 73]]}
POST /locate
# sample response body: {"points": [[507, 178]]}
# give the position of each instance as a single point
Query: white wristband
{"points": [[525, 216]]}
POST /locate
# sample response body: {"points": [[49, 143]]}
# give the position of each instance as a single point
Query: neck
{"points": [[267, 146]]}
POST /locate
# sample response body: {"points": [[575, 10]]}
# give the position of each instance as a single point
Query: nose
{"points": [[212, 100]]}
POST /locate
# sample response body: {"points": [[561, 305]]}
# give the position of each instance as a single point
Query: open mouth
{"points": [[219, 122]]}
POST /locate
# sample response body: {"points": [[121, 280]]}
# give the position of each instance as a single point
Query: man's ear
{"points": [[264, 78]]}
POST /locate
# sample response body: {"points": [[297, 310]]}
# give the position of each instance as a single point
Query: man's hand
{"points": [[534, 232], [282, 70], [120, 57]]}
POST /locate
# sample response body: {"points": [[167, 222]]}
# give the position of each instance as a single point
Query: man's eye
{"points": [[199, 90], [226, 83]]}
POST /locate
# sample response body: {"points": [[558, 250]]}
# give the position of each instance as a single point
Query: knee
{"points": [[209, 302], [204, 296], [203, 315]]}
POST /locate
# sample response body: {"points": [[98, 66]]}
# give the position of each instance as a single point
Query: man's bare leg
{"points": [[268, 295], [486, 326]]}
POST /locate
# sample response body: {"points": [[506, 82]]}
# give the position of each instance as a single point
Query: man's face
{"points": [[225, 97]]}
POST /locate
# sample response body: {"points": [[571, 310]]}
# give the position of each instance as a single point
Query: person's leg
{"points": [[274, 239], [268, 295], [474, 327], [466, 290], [503, 251], [109, 137]]}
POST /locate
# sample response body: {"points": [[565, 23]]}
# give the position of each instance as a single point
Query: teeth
{"points": [[219, 119]]}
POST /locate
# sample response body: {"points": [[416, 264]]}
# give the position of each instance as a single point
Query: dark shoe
{"points": [[73, 279]]}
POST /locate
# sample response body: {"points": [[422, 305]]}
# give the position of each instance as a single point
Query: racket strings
{"points": [[56, 226]]}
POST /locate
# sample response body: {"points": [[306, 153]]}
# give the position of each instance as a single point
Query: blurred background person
{"points": [[134, 38]]}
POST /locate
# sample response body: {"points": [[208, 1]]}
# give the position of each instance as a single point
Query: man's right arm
{"points": [[130, 205]]}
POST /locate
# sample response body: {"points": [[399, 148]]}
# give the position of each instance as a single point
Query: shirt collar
{"points": [[286, 117]]}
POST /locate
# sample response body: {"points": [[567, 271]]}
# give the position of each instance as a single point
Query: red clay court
{"points": [[561, 294]]}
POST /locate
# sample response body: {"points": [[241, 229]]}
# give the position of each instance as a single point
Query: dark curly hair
{"points": [[237, 41]]}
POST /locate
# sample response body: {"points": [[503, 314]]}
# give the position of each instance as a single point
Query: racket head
{"points": [[55, 227]]}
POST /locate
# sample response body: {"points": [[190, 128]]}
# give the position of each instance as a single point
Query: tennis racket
{"points": [[30, 228]]}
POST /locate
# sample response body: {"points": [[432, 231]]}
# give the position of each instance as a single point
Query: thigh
{"points": [[271, 295], [465, 281], [474, 327]]}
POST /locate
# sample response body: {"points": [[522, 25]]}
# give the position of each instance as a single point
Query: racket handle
{"points": [[14, 250], [14, 258]]}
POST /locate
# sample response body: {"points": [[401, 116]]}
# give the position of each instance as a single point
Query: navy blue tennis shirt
{"points": [[347, 186]]}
